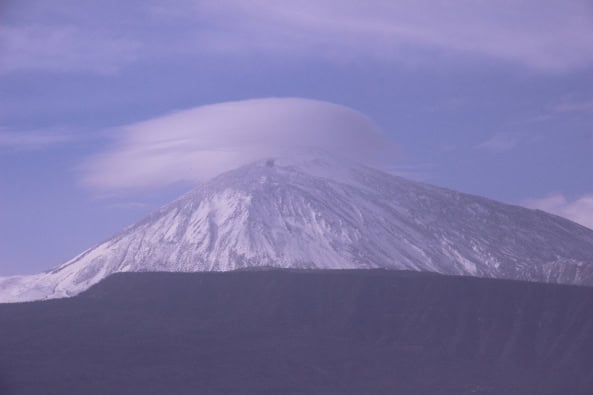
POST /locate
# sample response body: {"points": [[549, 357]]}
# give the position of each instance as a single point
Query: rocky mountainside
{"points": [[328, 214]]}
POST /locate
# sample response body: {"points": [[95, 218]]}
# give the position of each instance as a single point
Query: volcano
{"points": [[322, 213]]}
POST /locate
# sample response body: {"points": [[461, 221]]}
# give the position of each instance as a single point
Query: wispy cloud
{"points": [[545, 35], [500, 143], [198, 143], [579, 210], [129, 205], [33, 140], [63, 48], [569, 106], [416, 171]]}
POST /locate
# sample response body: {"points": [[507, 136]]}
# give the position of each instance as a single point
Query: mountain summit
{"points": [[328, 214]]}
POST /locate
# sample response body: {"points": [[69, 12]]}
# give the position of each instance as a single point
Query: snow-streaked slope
{"points": [[320, 213]]}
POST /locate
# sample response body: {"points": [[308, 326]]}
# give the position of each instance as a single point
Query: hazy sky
{"points": [[493, 98]]}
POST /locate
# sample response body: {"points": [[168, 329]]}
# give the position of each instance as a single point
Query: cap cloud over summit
{"points": [[195, 144]]}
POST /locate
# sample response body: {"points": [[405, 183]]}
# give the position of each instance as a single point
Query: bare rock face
{"points": [[327, 214]]}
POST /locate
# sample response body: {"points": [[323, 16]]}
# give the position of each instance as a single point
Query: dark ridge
{"points": [[301, 332]]}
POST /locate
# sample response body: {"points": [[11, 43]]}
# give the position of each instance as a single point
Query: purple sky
{"points": [[489, 98]]}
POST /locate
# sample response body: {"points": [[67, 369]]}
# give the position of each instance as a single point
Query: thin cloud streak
{"points": [[129, 205], [63, 49], [575, 106], [33, 140], [500, 143]]}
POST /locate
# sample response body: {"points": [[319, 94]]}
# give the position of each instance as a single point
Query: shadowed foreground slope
{"points": [[283, 332]]}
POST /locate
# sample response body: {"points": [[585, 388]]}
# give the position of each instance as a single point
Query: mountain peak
{"points": [[317, 211]]}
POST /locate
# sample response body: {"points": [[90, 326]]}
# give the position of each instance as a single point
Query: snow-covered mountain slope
{"points": [[320, 213]]}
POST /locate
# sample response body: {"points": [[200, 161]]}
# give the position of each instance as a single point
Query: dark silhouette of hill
{"points": [[301, 332]]}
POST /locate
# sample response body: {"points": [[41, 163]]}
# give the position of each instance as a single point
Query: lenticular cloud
{"points": [[196, 144]]}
